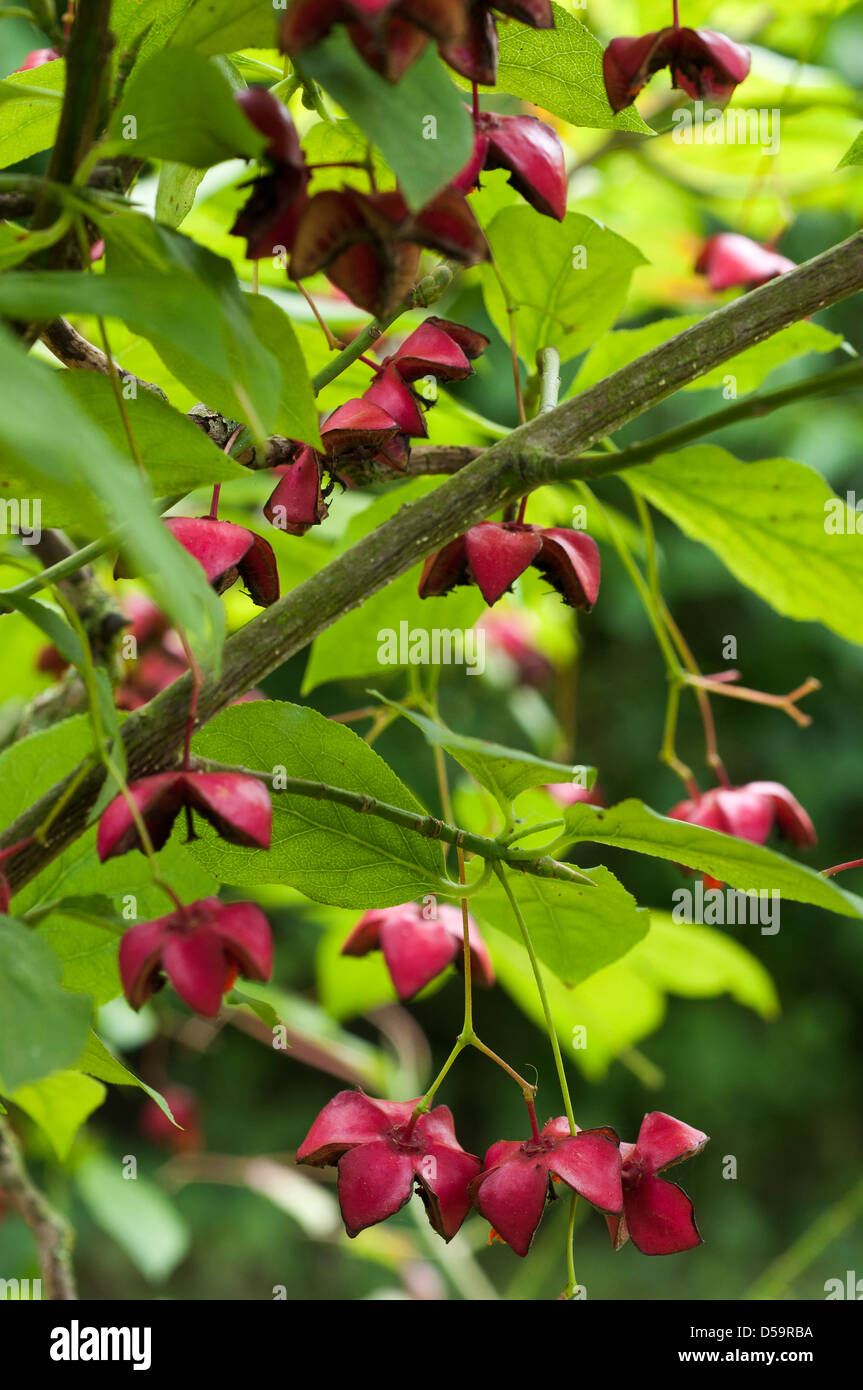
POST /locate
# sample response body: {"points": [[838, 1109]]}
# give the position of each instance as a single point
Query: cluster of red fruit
{"points": [[376, 427], [416, 947], [749, 813], [704, 64], [201, 947], [391, 34], [386, 1149], [369, 244]]}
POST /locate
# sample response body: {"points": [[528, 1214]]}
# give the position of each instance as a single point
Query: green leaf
{"points": [[60, 1105], [605, 1016], [84, 934], [854, 155], [330, 141], [32, 765], [175, 195], [150, 301], [30, 111], [57, 448], [504, 771], [421, 124], [560, 70], [749, 368], [767, 522], [98, 1061], [352, 647], [633, 826], [699, 963], [183, 109], [136, 1213], [235, 373], [48, 620], [331, 853], [566, 281], [86, 940], [297, 416], [598, 1021], [16, 92], [146, 29], [575, 929], [43, 1027], [220, 26], [18, 244], [177, 454]]}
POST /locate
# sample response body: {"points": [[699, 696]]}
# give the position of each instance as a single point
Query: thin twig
{"points": [[51, 1231]]}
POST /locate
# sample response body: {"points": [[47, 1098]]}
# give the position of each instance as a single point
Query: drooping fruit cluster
{"points": [[384, 1150], [201, 947], [704, 64], [374, 429], [529, 150], [159, 659], [492, 555], [416, 948], [391, 34], [749, 813], [227, 552], [370, 244]]}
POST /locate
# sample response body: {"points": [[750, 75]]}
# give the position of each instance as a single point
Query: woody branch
{"points": [[544, 450]]}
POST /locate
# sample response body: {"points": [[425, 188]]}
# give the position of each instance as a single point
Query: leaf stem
{"points": [[840, 868], [786, 703], [333, 343], [668, 752], [118, 396], [751, 407], [571, 1281], [427, 826], [543, 996], [650, 606], [430, 288]]}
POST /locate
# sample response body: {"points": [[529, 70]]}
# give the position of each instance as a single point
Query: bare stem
{"points": [[543, 996], [840, 868], [786, 703], [51, 1231]]}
